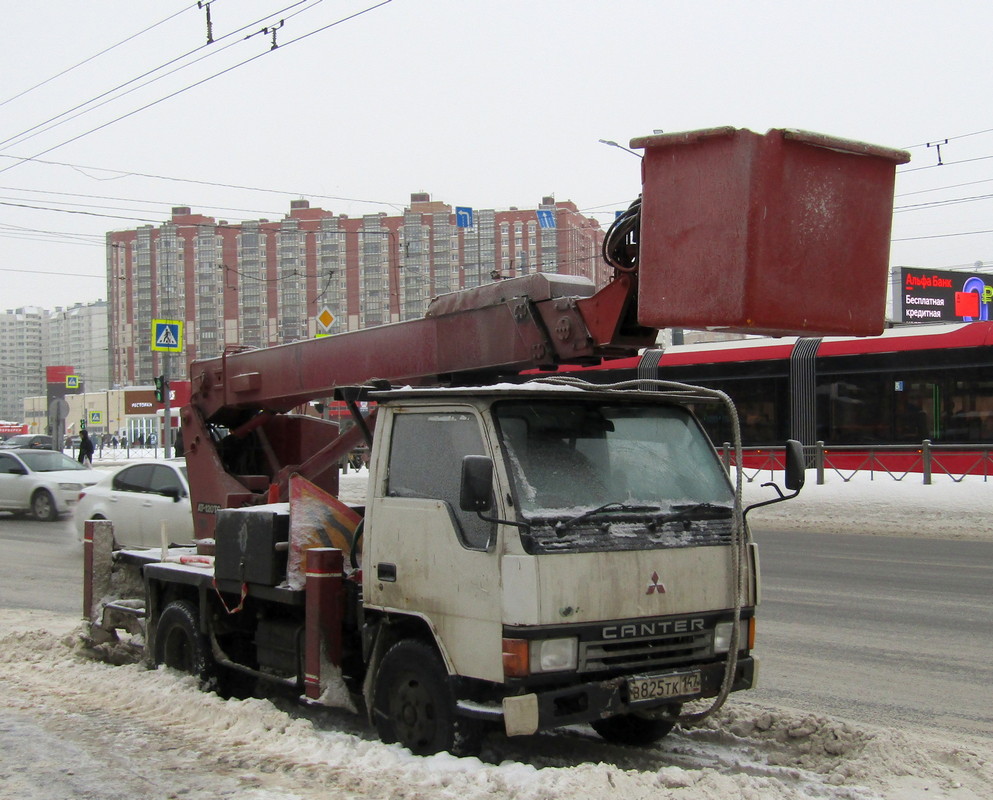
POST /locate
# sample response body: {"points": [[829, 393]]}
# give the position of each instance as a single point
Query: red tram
{"points": [[912, 383]]}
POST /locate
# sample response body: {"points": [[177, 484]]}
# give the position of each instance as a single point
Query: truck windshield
{"points": [[584, 465]]}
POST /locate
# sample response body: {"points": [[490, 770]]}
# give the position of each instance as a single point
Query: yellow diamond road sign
{"points": [[325, 319]]}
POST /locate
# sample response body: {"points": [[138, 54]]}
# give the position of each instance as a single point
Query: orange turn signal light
{"points": [[516, 658]]}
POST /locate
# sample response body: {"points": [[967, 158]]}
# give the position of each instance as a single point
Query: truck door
{"points": [[426, 556]]}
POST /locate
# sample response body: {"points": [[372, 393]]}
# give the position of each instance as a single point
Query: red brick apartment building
{"points": [[258, 283]]}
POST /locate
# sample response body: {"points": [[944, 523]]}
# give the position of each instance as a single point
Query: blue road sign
{"points": [[546, 218], [167, 335], [463, 217]]}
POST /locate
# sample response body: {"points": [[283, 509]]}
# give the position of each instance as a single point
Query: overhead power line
{"points": [[37, 130], [241, 187], [178, 92], [62, 274], [95, 55], [73, 211], [153, 203], [944, 164], [946, 139], [940, 236]]}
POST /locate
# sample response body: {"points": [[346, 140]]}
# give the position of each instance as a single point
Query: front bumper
{"points": [[585, 702]]}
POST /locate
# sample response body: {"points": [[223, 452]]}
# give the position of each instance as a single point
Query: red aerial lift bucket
{"points": [[783, 234]]}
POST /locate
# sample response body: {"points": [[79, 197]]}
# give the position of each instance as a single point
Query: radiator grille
{"points": [[616, 655]]}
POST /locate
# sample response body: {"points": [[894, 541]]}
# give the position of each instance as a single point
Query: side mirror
{"points": [[172, 491], [476, 489], [796, 465]]}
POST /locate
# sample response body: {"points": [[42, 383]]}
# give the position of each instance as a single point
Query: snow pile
{"points": [[278, 750]]}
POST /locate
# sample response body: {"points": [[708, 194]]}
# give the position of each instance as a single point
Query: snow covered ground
{"points": [[72, 727], [878, 504]]}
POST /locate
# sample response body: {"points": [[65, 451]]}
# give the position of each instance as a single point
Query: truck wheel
{"points": [[634, 730], [413, 704], [179, 644], [43, 506]]}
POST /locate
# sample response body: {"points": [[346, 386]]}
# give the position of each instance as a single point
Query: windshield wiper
{"points": [[687, 511], [561, 527]]}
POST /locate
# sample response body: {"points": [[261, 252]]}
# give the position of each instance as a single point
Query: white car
{"points": [[139, 498], [44, 483]]}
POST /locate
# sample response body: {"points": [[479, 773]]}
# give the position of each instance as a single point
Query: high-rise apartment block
{"points": [[32, 339], [259, 283], [76, 336], [21, 347]]}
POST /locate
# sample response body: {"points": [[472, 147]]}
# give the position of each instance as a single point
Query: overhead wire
{"points": [[187, 88], [96, 55], [28, 134], [200, 182], [949, 138], [155, 203], [62, 274]]}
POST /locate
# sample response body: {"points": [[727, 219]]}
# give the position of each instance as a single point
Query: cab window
{"points": [[426, 452]]}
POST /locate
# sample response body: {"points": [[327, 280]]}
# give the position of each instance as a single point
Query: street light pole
{"points": [[619, 147]]}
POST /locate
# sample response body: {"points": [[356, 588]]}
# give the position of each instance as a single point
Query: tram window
{"points": [[913, 412], [968, 413]]}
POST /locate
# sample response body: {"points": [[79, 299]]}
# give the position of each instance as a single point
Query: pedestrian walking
{"points": [[85, 449]]}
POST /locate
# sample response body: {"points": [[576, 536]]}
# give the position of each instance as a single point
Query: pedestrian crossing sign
{"points": [[72, 381], [167, 335]]}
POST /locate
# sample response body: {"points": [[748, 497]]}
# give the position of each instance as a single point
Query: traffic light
{"points": [[160, 387]]}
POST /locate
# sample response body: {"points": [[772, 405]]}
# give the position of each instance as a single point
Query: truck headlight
{"points": [[554, 655], [722, 636]]}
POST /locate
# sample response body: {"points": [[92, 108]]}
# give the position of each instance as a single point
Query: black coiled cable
{"points": [[617, 250]]}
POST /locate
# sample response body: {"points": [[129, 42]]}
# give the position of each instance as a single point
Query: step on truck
{"points": [[532, 550]]}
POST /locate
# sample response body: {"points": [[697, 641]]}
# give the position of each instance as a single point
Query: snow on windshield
{"points": [[575, 455]]}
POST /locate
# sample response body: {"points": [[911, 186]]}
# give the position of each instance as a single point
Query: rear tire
{"points": [[631, 729], [413, 704], [179, 643], [43, 506]]}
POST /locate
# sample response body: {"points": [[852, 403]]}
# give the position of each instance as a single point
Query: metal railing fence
{"points": [[897, 461]]}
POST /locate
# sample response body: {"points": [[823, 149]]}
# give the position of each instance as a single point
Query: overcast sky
{"points": [[483, 103]]}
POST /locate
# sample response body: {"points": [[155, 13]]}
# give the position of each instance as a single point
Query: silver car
{"points": [[140, 499], [44, 483]]}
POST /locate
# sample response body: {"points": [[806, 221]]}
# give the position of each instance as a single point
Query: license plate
{"points": [[660, 687]]}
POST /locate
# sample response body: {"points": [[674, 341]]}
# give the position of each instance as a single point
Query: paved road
{"points": [[41, 565], [885, 630], [888, 630]]}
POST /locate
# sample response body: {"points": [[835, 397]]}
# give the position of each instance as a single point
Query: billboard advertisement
{"points": [[933, 295]]}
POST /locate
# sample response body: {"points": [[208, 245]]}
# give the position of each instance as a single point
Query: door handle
{"points": [[386, 572]]}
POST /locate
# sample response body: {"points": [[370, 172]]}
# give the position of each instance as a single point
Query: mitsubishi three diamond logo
{"points": [[655, 586]]}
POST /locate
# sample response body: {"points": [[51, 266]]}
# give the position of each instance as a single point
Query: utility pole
{"points": [[166, 411]]}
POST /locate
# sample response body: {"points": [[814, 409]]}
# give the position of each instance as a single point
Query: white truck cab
{"points": [[592, 575]]}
